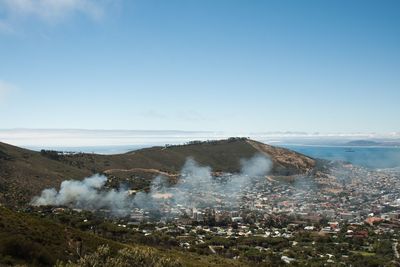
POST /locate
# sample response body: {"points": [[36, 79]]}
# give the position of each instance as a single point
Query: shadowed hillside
{"points": [[27, 239], [24, 173]]}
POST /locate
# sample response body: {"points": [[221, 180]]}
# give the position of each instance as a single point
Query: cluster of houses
{"points": [[271, 208]]}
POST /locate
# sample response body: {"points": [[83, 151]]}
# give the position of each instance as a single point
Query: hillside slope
{"points": [[27, 239], [285, 162], [24, 173], [221, 155]]}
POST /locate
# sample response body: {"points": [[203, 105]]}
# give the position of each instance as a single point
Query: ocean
{"points": [[370, 157]]}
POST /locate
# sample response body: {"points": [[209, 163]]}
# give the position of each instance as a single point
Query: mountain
{"points": [[221, 155], [363, 143], [385, 143], [24, 173]]}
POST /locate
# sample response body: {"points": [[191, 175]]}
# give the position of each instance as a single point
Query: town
{"points": [[332, 217]]}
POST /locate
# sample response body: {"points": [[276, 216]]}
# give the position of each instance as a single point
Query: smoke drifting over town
{"points": [[86, 194], [92, 193]]}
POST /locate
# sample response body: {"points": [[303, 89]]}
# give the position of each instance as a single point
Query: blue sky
{"points": [[327, 66]]}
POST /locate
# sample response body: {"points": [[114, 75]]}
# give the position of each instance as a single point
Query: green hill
{"points": [[24, 173], [221, 155]]}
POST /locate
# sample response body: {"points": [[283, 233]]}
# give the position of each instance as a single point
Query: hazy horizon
{"points": [[69, 138]]}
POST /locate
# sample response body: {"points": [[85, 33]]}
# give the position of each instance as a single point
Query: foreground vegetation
{"points": [[30, 240], [103, 257]]}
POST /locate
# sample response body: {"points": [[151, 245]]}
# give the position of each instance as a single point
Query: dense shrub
{"points": [[138, 257], [18, 247]]}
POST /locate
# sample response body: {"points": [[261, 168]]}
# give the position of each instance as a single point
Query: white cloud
{"points": [[129, 139], [53, 138], [51, 11]]}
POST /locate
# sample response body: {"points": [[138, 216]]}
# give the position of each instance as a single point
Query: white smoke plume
{"points": [[86, 194], [196, 187]]}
